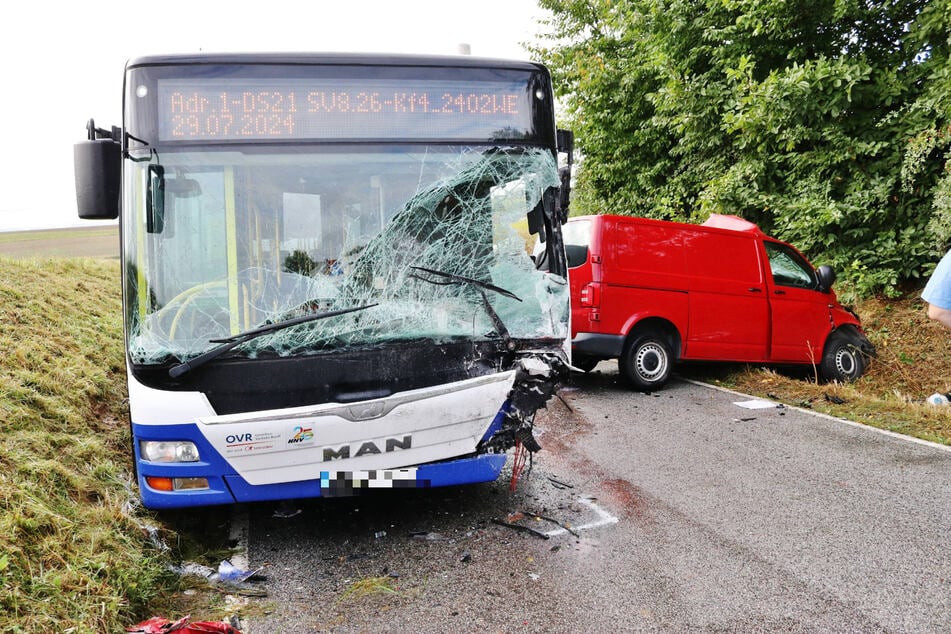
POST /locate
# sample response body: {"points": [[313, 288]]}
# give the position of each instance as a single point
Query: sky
{"points": [[62, 64]]}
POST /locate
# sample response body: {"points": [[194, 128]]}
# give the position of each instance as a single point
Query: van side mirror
{"points": [[826, 278], [98, 171]]}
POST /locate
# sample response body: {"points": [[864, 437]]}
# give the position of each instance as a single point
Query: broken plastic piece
{"points": [[519, 527], [426, 536], [755, 404], [158, 625], [161, 625], [558, 484], [229, 574], [554, 521], [190, 568], [511, 521], [939, 399]]}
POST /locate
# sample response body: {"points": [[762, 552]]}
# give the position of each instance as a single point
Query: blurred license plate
{"points": [[340, 483]]}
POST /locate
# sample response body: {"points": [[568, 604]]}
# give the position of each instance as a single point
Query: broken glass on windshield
{"points": [[261, 238]]}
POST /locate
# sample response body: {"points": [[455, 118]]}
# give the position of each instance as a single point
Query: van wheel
{"points": [[842, 359], [646, 362]]}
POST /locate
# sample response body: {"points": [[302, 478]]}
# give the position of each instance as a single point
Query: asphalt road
{"points": [[667, 512]]}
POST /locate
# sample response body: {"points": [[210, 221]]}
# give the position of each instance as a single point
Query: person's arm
{"points": [[940, 315]]}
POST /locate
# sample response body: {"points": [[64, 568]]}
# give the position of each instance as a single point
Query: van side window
{"points": [[789, 268], [577, 235]]}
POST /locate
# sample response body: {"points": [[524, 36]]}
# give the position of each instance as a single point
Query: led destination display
{"points": [[279, 109]]}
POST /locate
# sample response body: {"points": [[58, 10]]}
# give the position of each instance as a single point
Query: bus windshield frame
{"points": [[203, 209]]}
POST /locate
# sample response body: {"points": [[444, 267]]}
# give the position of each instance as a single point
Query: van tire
{"points": [[646, 361], [842, 359]]}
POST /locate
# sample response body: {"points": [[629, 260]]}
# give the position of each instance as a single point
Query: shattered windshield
{"points": [[434, 241]]}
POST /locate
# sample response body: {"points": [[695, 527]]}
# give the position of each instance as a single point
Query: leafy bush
{"points": [[827, 124]]}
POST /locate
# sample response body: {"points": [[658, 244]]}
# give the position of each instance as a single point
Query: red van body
{"points": [[651, 293]]}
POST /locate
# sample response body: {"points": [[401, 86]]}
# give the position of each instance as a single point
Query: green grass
{"points": [[73, 556]]}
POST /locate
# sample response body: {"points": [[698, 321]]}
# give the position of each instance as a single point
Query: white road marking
{"points": [[604, 518], [884, 432], [239, 536]]}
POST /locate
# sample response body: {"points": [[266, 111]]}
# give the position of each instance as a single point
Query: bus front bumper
{"points": [[233, 488]]}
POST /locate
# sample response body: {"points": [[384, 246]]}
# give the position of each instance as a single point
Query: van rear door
{"points": [[729, 312]]}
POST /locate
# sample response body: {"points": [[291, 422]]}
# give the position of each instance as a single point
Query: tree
{"points": [[826, 123], [299, 262]]}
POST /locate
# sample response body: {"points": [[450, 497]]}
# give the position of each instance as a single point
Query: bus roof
{"points": [[341, 59]]}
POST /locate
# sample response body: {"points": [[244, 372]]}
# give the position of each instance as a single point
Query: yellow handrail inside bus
{"points": [[232, 239]]}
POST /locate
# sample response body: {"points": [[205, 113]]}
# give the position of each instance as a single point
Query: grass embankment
{"points": [[72, 555], [913, 361]]}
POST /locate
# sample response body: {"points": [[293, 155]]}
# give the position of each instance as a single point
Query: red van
{"points": [[650, 293]]}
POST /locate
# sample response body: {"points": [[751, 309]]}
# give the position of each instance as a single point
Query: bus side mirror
{"points": [[826, 278], [98, 165]]}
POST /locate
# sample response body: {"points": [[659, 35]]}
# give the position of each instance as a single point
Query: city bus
{"points": [[328, 276]]}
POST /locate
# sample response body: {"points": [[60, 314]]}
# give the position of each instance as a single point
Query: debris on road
{"points": [[227, 573], [939, 399], [162, 625], [558, 484], [755, 404], [426, 536], [227, 578], [512, 521]]}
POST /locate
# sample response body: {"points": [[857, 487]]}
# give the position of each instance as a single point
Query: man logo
{"points": [[363, 449]]}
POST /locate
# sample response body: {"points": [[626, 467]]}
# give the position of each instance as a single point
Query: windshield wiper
{"points": [[482, 286], [459, 279], [228, 343]]}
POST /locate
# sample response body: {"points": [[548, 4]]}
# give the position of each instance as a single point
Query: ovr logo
{"points": [[235, 439]]}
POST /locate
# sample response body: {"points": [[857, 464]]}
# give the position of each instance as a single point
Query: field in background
{"points": [[88, 242]]}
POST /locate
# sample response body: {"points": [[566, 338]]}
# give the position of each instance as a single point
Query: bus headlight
{"points": [[168, 450]]}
